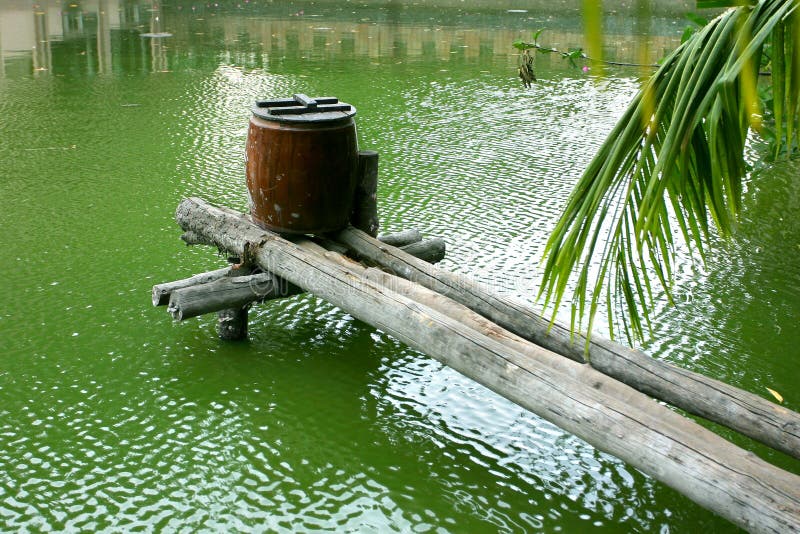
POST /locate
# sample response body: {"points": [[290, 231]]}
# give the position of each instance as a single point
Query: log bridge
{"points": [[611, 396]]}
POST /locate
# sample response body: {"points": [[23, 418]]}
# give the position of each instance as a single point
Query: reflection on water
{"points": [[115, 419], [42, 57], [101, 29]]}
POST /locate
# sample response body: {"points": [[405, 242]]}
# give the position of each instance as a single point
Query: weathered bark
{"points": [[396, 239], [365, 203], [161, 292], [582, 372], [233, 292], [401, 239], [709, 470], [429, 251], [190, 238], [745, 412]]}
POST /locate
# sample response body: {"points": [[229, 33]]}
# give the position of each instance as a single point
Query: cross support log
{"points": [[161, 292], [224, 288], [402, 238], [234, 292], [429, 250]]}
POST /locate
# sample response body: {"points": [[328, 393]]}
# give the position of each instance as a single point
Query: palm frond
{"points": [[673, 163]]}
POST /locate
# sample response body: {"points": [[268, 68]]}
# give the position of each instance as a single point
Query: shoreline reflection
{"points": [[144, 35]]}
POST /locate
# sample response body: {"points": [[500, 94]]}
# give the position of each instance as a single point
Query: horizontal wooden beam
{"points": [[402, 238], [161, 292], [429, 250], [228, 293], [223, 288]]}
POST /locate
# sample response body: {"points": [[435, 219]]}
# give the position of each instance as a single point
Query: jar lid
{"points": [[302, 108]]}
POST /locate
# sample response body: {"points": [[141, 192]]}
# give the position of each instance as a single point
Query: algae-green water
{"points": [[113, 418]]}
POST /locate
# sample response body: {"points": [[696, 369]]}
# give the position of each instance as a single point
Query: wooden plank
{"points": [[745, 412], [709, 470]]}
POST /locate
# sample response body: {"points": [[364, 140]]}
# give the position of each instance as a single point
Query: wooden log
{"points": [[400, 239], [161, 292], [582, 372], [429, 250], [234, 292], [190, 238], [232, 323], [197, 296], [396, 239], [704, 467], [365, 203], [753, 416]]}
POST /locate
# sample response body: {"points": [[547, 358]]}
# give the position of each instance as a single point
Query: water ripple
{"points": [[115, 419]]}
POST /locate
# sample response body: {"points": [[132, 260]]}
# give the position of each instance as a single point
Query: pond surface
{"points": [[115, 418]]}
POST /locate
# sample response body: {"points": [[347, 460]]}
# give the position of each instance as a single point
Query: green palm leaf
{"points": [[673, 163]]}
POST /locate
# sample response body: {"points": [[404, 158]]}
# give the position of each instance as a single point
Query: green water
{"points": [[114, 418]]}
